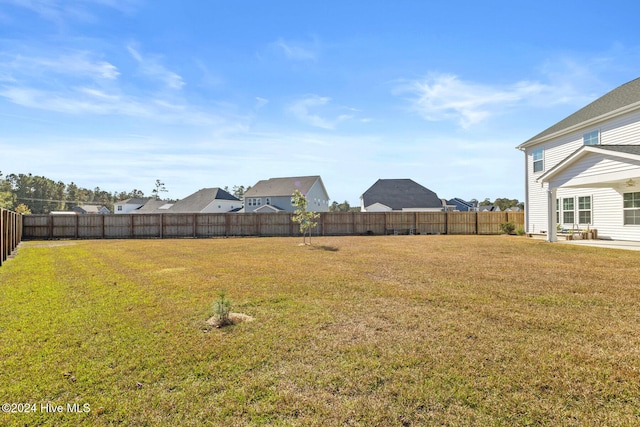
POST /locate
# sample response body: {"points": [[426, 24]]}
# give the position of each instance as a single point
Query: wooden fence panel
{"points": [[146, 226], [244, 224], [11, 226], [261, 224], [118, 226], [431, 222], [211, 225], [64, 226], [489, 222], [90, 226], [370, 222], [461, 223], [277, 224]]}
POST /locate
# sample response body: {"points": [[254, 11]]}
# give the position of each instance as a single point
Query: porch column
{"points": [[552, 235]]}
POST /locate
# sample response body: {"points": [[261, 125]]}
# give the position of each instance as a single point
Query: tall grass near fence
{"points": [[10, 233], [134, 226]]}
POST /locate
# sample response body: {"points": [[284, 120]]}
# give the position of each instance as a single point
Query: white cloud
{"points": [[445, 97], [60, 11], [151, 67], [301, 109], [296, 51], [260, 102], [77, 64]]}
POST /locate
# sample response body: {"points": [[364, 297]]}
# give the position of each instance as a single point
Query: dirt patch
{"points": [[234, 318]]}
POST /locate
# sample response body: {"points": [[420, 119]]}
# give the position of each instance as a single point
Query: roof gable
{"points": [[283, 187], [199, 200], [401, 193], [621, 99]]}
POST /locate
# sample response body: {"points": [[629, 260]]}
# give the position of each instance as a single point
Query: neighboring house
{"points": [[153, 206], [488, 208], [274, 195], [462, 205], [91, 209], [206, 200], [129, 205], [584, 171], [406, 195]]}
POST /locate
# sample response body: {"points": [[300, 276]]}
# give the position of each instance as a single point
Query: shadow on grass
{"points": [[325, 248]]}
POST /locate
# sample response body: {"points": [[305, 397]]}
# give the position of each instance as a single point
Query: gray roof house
{"points": [[91, 210], [399, 195], [153, 206], [274, 194], [206, 200], [129, 205], [584, 171]]}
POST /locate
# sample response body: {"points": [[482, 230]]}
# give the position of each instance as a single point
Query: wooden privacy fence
{"points": [[133, 226], [10, 233]]}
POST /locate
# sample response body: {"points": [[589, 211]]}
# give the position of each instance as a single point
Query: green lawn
{"points": [[395, 330]]}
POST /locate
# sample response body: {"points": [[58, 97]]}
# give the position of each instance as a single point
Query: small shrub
{"points": [[507, 227], [221, 310], [520, 231]]}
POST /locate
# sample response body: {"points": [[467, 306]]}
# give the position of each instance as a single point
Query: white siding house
{"points": [[584, 171], [274, 194]]}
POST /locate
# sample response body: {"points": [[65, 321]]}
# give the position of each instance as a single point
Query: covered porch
{"points": [[593, 166]]}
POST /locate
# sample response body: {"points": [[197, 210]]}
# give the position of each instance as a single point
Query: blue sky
{"points": [[118, 93]]}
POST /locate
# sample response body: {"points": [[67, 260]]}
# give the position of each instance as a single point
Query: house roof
{"points": [[279, 187], [152, 205], [133, 201], [400, 193], [199, 200], [622, 99]]}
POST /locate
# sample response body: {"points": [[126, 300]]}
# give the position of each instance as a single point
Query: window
{"points": [[557, 211], [119, 208], [584, 210], [631, 203], [568, 216], [538, 161], [591, 138], [268, 200]]}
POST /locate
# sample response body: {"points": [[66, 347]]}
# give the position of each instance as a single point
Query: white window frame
{"points": [[582, 209], [591, 138], [566, 211], [631, 204], [538, 160]]}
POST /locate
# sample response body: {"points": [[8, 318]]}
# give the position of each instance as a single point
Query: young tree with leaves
{"points": [[306, 219]]}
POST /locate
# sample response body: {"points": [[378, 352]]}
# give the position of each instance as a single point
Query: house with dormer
{"points": [[275, 194], [584, 171]]}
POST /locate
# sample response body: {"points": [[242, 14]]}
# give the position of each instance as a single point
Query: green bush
{"points": [[507, 227], [520, 231]]}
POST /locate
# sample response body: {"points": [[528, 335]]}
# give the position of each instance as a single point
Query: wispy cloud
{"points": [[296, 50], [440, 97], [61, 11], [302, 110], [78, 64], [151, 66], [445, 97]]}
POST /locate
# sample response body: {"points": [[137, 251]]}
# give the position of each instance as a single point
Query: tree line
{"points": [[27, 193]]}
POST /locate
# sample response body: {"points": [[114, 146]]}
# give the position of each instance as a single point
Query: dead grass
{"points": [[397, 330]]}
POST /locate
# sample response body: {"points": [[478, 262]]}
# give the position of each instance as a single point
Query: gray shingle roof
{"points": [[401, 193], [622, 96], [627, 149], [276, 187], [199, 200]]}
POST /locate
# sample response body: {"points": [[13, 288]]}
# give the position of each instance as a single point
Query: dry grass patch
{"points": [[397, 330]]}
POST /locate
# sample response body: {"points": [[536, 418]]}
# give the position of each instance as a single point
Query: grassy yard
{"points": [[388, 331]]}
